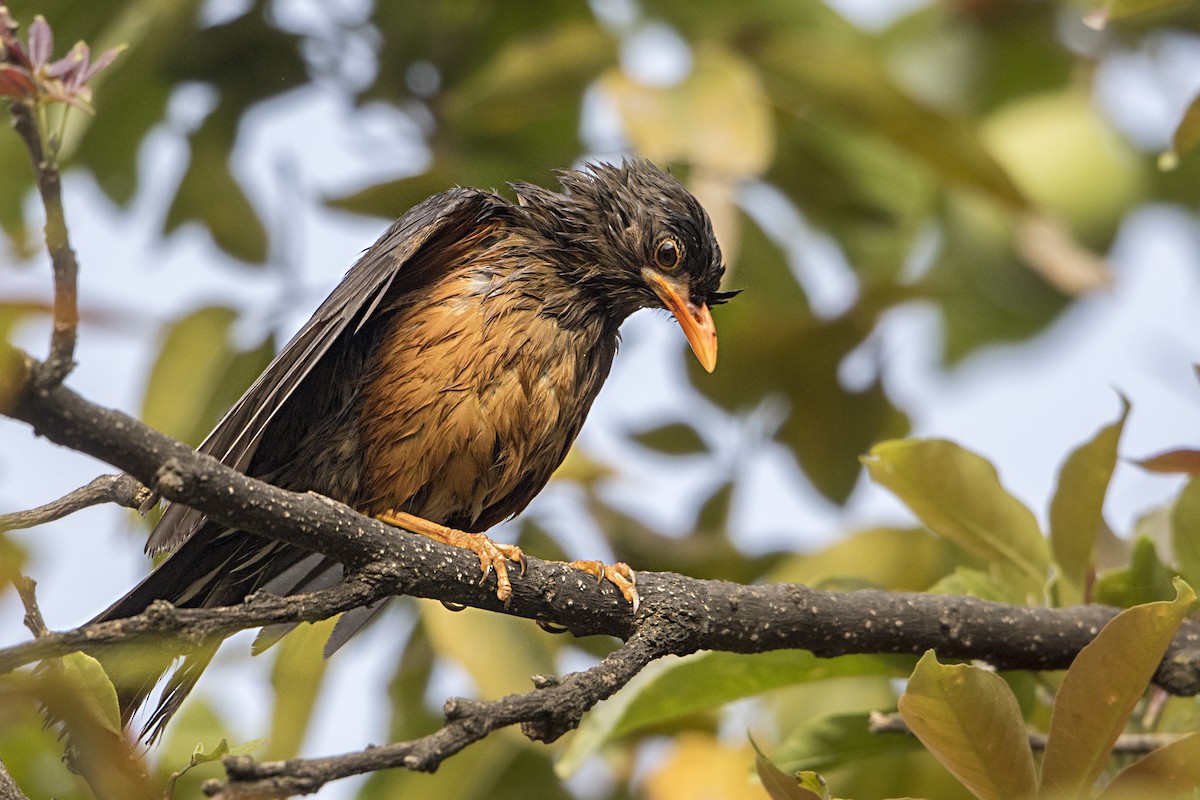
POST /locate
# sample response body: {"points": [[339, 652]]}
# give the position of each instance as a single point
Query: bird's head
{"points": [[635, 238]]}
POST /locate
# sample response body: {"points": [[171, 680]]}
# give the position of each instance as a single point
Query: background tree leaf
{"points": [[959, 496]]}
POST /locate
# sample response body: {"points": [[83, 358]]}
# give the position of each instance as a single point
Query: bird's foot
{"points": [[619, 575], [492, 555]]}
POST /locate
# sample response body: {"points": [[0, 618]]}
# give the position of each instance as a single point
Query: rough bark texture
{"points": [[678, 615]]}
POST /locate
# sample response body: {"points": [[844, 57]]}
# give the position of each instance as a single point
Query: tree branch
{"points": [[120, 489], [187, 628], [678, 615], [1127, 743], [61, 359], [544, 714], [27, 591]]}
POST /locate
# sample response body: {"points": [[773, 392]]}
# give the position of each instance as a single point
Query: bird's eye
{"points": [[667, 254]]}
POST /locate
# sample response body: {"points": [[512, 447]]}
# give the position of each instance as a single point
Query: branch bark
{"points": [[120, 489], [544, 714], [61, 359], [678, 615], [8, 787]]}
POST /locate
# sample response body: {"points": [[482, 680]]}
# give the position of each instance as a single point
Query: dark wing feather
{"points": [[236, 437]]}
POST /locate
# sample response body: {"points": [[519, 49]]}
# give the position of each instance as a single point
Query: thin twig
{"points": [[120, 489], [544, 714], [61, 359], [1126, 744], [187, 628], [27, 591]]}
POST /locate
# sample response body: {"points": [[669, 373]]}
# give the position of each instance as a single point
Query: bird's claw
{"points": [[619, 575], [492, 555]]}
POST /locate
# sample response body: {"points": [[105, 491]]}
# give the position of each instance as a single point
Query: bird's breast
{"points": [[472, 399]]}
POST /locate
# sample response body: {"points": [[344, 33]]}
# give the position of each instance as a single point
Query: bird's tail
{"points": [[217, 566]]}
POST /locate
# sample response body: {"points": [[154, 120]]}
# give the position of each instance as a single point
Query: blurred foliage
{"points": [[954, 158]]}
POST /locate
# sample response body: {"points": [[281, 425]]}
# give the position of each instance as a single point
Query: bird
{"points": [[437, 388]]}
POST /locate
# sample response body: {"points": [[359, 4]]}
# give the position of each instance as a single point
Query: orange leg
{"points": [[619, 574], [492, 555]]}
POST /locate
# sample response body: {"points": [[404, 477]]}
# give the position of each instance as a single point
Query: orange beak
{"points": [[696, 321]]}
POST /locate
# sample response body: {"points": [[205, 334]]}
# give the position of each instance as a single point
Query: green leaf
{"points": [[679, 687], [711, 680], [1065, 156], [12, 560], [209, 193], [976, 583], [712, 518], [1100, 690], [781, 786], [840, 77], [1170, 771], [1077, 509], [859, 189], [198, 374], [194, 352], [969, 719], [296, 679], [95, 690], [773, 347], [833, 741], [958, 495], [675, 439], [14, 165], [899, 559], [201, 756], [1185, 530], [984, 290], [1187, 133], [472, 638], [1144, 580], [130, 96]]}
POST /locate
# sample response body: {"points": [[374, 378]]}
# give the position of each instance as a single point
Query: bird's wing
{"points": [[236, 437]]}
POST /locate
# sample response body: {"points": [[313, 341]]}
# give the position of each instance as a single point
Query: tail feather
{"points": [[217, 566], [177, 688], [312, 574]]}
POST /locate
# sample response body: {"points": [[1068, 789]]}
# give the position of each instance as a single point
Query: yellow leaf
{"points": [[718, 119], [700, 768], [969, 720], [1100, 690]]}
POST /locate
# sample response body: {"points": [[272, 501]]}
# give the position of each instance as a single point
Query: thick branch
{"points": [[678, 615], [716, 615], [66, 269]]}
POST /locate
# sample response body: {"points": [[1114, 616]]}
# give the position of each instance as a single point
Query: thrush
{"points": [[439, 386]]}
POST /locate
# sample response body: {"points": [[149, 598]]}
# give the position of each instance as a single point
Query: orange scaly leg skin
{"points": [[492, 555], [619, 575]]}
